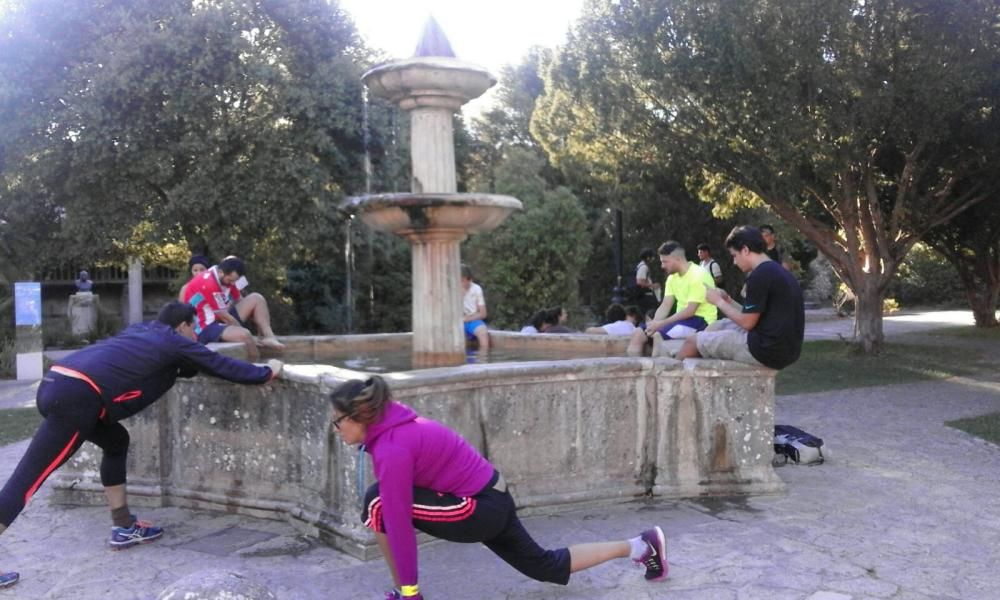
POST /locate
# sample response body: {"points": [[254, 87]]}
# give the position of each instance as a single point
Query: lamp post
{"points": [[618, 292]]}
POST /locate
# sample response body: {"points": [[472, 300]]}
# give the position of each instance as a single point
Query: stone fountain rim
{"points": [[372, 202], [428, 62]]}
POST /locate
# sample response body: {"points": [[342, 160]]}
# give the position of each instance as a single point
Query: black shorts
{"points": [[488, 517], [213, 331]]}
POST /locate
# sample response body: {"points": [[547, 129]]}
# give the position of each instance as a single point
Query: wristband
{"points": [[406, 591]]}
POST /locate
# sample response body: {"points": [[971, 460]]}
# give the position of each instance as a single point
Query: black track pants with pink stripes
{"points": [[493, 522], [71, 409]]}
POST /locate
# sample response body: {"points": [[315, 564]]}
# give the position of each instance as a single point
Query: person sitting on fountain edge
{"points": [[85, 395], [536, 323], [223, 313], [767, 329], [618, 321], [686, 283], [197, 265], [554, 321], [431, 479], [474, 310]]}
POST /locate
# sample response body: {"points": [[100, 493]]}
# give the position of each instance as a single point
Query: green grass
{"points": [[834, 365], [964, 331], [17, 424], [985, 426]]}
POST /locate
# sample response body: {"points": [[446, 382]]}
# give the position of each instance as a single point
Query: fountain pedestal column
{"points": [[438, 335], [433, 150], [435, 225]]}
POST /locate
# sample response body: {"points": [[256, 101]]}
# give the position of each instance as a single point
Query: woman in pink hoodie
{"points": [[431, 479]]}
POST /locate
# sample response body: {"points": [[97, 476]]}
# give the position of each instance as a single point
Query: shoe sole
{"points": [[130, 543], [661, 547], [7, 584]]}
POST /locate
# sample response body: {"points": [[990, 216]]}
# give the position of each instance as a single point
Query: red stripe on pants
{"points": [[449, 514], [52, 467], [457, 514]]}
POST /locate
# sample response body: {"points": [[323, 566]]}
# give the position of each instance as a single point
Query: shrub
{"points": [[926, 278]]}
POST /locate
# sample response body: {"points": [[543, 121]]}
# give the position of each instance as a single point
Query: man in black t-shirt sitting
{"points": [[767, 328]]}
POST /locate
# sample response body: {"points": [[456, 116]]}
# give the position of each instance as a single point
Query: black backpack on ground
{"points": [[797, 446]]}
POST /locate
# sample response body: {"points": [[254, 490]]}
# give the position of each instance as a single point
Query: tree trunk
{"points": [[983, 298], [980, 278], [984, 305], [868, 318]]}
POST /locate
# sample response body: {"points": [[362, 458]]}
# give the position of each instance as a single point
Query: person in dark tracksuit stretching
{"points": [[431, 479], [84, 396]]}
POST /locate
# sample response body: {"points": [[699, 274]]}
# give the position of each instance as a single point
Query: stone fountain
{"points": [[433, 218], [585, 425]]}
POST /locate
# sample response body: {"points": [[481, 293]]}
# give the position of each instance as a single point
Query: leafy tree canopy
{"points": [[535, 259], [225, 126], [862, 123]]}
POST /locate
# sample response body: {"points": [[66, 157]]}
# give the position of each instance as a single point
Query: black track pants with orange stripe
{"points": [[492, 521], [72, 412]]}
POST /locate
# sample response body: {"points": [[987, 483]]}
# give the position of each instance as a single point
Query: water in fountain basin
{"points": [[400, 359]]}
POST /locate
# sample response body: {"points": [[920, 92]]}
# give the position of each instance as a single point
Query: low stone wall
{"points": [[562, 432]]}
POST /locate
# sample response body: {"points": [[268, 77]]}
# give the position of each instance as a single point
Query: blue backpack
{"points": [[793, 444]]}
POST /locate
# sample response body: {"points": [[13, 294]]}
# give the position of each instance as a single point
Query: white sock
{"points": [[638, 548]]}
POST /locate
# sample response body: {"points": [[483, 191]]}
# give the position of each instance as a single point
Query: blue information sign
{"points": [[28, 303]]}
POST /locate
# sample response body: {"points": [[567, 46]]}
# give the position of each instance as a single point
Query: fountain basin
{"points": [[564, 433], [431, 81], [409, 214]]}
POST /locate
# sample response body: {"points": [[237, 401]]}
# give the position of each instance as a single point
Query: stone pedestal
{"points": [[29, 366], [82, 311], [134, 291], [433, 150], [438, 336]]}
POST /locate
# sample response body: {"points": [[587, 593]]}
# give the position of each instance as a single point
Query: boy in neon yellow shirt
{"points": [[685, 285]]}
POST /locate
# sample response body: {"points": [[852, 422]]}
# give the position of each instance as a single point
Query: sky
{"points": [[490, 33]]}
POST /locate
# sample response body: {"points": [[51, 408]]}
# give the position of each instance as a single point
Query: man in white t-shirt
{"points": [[474, 310], [620, 321], [710, 264]]}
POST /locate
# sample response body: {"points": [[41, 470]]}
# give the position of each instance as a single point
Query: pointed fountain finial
{"points": [[433, 41]]}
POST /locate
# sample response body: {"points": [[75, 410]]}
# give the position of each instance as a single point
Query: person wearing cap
{"points": [[84, 396], [197, 265], [223, 312], [430, 479]]}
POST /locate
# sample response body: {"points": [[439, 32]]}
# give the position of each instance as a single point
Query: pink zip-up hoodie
{"points": [[410, 451]]}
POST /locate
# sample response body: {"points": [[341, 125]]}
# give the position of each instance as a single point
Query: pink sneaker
{"points": [[655, 556]]}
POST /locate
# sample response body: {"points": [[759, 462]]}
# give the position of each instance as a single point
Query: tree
{"points": [[507, 123], [854, 121], [535, 259], [223, 126], [971, 243]]}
